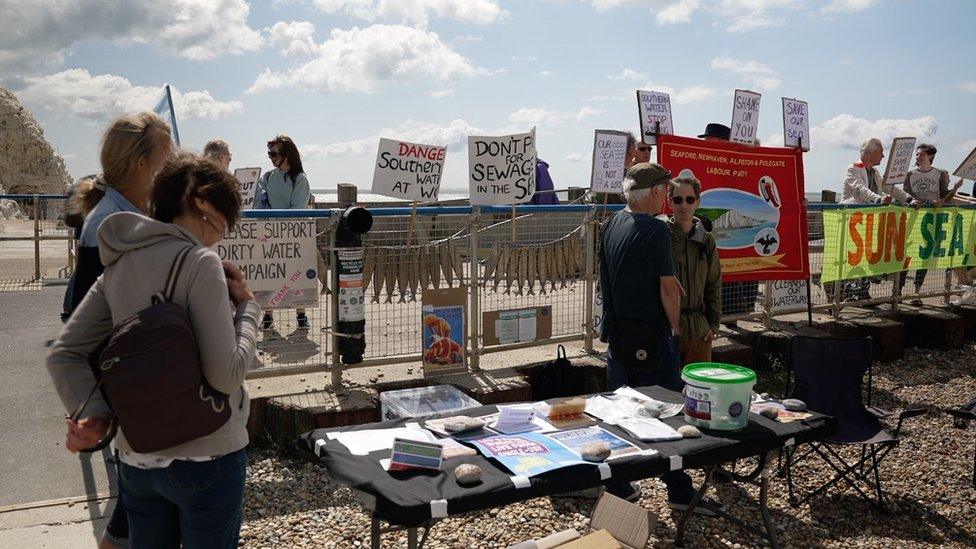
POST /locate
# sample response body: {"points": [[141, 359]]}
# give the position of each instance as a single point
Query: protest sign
{"points": [[789, 295], [444, 336], [900, 157], [609, 161], [654, 109], [796, 124], [861, 242], [408, 170], [753, 196], [279, 259], [745, 116], [502, 169], [247, 184], [967, 169]]}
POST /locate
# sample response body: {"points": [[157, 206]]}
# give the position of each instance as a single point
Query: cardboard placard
{"points": [[410, 171], [609, 161], [247, 184], [501, 169], [789, 295], [967, 169], [653, 108], [279, 259], [445, 335], [516, 325], [900, 157], [796, 124], [745, 116]]}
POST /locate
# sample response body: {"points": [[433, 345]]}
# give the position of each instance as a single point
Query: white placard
{"points": [[900, 157], [789, 295], [967, 170], [410, 171], [279, 260], [247, 184], [654, 107], [501, 169], [796, 124], [597, 309], [609, 161], [745, 116]]}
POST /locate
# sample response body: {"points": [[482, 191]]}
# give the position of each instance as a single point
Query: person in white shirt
{"points": [[862, 182]]}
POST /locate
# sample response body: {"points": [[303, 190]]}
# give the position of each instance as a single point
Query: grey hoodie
{"points": [[137, 253]]}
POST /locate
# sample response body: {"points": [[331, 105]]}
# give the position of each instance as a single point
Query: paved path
{"points": [[34, 466]]}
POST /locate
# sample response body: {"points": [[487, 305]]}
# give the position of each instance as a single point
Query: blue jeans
{"points": [[679, 485], [196, 504]]}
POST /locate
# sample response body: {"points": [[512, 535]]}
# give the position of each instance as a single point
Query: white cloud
{"points": [[363, 59], [587, 112], [628, 74], [743, 24], [846, 131], [682, 96], [525, 58], [438, 94], [102, 96], [574, 157], [846, 63], [453, 135], [292, 38], [416, 12], [968, 86], [545, 73], [757, 74], [908, 93], [535, 117], [966, 146], [35, 36], [847, 6], [677, 12], [692, 94]]}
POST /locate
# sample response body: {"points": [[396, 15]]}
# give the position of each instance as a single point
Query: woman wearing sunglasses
{"points": [[697, 267], [284, 188]]}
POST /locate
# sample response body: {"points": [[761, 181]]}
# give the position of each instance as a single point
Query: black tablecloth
{"points": [[404, 497]]}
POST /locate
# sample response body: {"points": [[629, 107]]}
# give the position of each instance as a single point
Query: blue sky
{"points": [[338, 74]]}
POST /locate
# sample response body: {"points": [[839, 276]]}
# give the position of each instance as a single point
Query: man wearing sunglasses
{"points": [[697, 267]]}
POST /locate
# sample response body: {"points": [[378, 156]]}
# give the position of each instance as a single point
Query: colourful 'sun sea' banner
{"points": [[753, 196], [861, 242]]}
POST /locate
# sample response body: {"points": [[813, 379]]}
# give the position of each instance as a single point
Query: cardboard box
{"points": [[615, 523]]}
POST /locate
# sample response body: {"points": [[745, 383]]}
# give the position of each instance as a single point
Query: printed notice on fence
{"points": [[653, 108], [745, 116], [247, 184], [278, 258], [609, 159], [796, 124], [408, 170], [502, 169], [789, 295], [900, 160]]}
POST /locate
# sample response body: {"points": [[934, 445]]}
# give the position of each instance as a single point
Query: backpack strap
{"points": [[174, 274]]}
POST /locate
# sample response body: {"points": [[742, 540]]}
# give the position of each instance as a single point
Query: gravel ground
{"points": [[291, 503]]}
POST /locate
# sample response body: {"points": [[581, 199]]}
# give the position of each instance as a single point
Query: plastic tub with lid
{"points": [[717, 395]]}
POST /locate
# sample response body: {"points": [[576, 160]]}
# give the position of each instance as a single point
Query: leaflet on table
{"points": [[414, 454], [577, 438], [361, 443], [518, 418], [783, 415], [527, 454], [648, 429], [453, 448], [626, 403]]}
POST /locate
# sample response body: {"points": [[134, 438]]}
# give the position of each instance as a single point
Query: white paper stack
{"points": [[514, 419], [648, 429]]}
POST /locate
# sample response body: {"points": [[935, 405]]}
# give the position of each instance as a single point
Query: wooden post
{"points": [[474, 289], [347, 194]]}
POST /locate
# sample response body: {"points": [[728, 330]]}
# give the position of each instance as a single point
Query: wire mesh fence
{"points": [[34, 241]]}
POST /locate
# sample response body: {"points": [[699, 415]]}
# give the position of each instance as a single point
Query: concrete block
{"points": [[887, 335], [932, 328]]}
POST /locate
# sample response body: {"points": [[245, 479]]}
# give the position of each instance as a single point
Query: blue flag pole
{"points": [[172, 114]]}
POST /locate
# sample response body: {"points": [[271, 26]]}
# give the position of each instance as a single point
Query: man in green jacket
{"points": [[697, 267]]}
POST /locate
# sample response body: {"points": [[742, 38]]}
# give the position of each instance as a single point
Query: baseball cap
{"points": [[648, 174]]}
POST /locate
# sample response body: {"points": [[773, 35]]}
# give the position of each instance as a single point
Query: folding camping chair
{"points": [[828, 374], [964, 413]]}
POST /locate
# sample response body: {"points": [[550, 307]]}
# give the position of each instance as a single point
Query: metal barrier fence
{"points": [[506, 258], [34, 241]]}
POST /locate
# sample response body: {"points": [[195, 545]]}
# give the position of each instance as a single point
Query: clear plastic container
{"points": [[423, 401]]}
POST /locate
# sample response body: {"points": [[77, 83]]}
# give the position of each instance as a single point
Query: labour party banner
{"points": [[861, 242], [754, 199]]}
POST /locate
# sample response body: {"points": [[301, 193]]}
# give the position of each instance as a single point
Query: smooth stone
{"points": [[467, 473], [473, 423], [455, 425], [689, 431], [770, 412], [651, 410], [595, 451], [794, 405]]}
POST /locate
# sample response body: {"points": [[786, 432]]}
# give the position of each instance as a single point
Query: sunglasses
{"points": [[644, 149], [272, 154], [688, 199]]}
